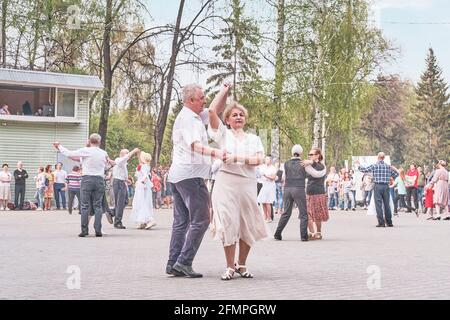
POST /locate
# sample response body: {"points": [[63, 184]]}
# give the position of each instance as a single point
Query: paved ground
{"points": [[355, 260]]}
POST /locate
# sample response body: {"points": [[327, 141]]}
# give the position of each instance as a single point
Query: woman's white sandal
{"points": [[228, 275], [243, 274]]}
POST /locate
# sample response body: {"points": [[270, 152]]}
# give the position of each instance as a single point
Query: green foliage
{"points": [[432, 109], [125, 132], [237, 55]]}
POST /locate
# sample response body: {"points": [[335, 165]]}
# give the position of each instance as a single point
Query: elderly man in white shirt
{"points": [[120, 187], [190, 167], [92, 189]]}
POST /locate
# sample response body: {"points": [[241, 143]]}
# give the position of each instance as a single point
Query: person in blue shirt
{"points": [[382, 173]]}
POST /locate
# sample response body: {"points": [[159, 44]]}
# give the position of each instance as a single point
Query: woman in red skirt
{"points": [[316, 196], [429, 193]]}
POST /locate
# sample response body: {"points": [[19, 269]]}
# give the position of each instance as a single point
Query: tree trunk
{"points": [[3, 35], [163, 113], [279, 75], [37, 36], [324, 137], [317, 123], [16, 56], [107, 75]]}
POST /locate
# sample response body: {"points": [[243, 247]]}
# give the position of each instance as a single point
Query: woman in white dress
{"points": [[236, 215], [5, 187], [268, 194], [142, 211]]}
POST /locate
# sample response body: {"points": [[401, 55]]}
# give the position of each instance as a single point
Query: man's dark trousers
{"points": [[120, 199], [190, 219], [297, 195], [381, 196], [92, 190], [19, 195]]}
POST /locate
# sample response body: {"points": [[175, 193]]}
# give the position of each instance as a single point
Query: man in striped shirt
{"points": [[382, 172], [73, 184]]}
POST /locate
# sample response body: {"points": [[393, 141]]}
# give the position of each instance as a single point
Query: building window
{"points": [[66, 103], [28, 101]]}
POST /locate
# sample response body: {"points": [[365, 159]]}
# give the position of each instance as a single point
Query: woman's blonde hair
{"points": [[234, 105], [145, 157], [402, 174]]}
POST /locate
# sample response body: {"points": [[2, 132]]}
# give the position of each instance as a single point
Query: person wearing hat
{"points": [[412, 184], [294, 191], [120, 177], [441, 192], [142, 206]]}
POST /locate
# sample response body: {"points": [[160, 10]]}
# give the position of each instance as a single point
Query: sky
{"points": [[412, 26]]}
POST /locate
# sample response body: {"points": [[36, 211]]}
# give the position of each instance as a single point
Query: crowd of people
{"points": [[408, 190], [233, 188], [57, 189]]}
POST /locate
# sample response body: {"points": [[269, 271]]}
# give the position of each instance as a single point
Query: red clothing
{"points": [[412, 176], [156, 180], [429, 198]]}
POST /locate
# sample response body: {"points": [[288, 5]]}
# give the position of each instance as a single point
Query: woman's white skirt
{"points": [[142, 211], [268, 192]]}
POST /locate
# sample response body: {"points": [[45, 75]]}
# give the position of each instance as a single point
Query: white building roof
{"points": [[49, 79]]}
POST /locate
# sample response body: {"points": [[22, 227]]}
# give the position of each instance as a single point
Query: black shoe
{"points": [[181, 269], [390, 225], [447, 218], [277, 237], [438, 218], [169, 270], [83, 234], [304, 239], [119, 226], [98, 234], [380, 226], [109, 217]]}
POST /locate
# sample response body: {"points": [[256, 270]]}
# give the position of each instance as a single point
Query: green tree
{"points": [[432, 110], [236, 52]]}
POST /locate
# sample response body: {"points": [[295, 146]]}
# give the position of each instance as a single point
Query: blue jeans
{"points": [[279, 198], [40, 197], [190, 219], [57, 188], [367, 197], [420, 196], [334, 200], [349, 200]]}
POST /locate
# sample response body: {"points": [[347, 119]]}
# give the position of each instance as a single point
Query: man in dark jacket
{"points": [[294, 191], [20, 175]]}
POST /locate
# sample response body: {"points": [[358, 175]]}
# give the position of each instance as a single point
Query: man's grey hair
{"points": [[95, 138], [381, 155], [190, 90]]}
